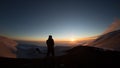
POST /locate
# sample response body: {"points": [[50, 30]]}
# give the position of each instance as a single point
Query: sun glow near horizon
{"points": [[72, 39]]}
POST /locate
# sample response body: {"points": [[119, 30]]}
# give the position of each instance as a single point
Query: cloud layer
{"points": [[114, 26]]}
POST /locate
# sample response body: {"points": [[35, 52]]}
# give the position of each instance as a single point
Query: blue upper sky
{"points": [[36, 19]]}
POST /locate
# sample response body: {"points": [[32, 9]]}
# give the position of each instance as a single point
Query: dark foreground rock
{"points": [[77, 57]]}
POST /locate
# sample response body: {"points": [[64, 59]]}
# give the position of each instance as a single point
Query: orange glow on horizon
{"points": [[72, 39]]}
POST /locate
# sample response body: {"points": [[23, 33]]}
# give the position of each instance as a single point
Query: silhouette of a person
{"points": [[50, 46]]}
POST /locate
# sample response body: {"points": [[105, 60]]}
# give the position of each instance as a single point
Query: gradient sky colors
{"points": [[64, 19]]}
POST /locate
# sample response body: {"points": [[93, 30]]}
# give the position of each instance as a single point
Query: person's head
{"points": [[50, 36]]}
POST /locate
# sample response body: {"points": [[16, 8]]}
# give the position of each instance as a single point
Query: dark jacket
{"points": [[50, 43]]}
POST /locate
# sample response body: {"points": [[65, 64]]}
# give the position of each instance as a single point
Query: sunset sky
{"points": [[64, 19]]}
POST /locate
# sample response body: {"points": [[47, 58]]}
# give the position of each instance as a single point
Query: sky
{"points": [[63, 19]]}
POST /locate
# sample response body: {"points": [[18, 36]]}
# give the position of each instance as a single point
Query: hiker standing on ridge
{"points": [[50, 46]]}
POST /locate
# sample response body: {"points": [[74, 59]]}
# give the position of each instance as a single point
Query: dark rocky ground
{"points": [[77, 57]]}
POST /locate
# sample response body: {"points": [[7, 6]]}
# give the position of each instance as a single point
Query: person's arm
{"points": [[47, 42], [53, 42]]}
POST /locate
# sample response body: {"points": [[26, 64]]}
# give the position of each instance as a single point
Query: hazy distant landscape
{"points": [[27, 49]]}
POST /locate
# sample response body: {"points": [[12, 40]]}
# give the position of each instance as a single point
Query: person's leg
{"points": [[53, 54], [48, 52]]}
